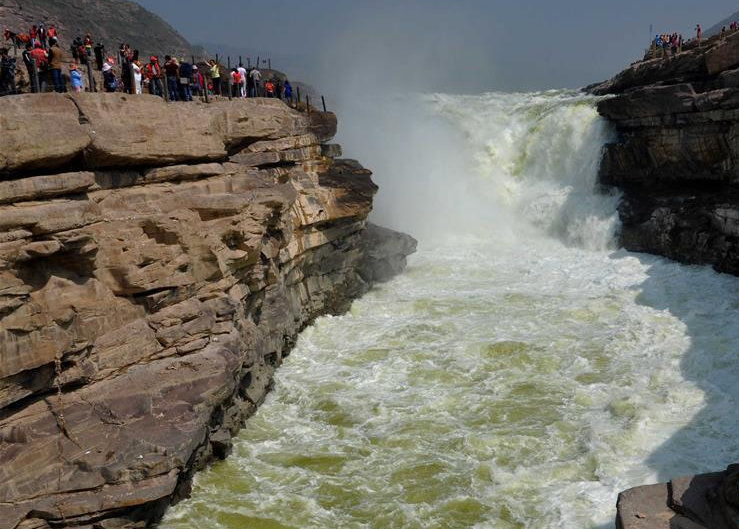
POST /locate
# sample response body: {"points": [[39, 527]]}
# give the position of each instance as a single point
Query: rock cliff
{"points": [[156, 264], [677, 155], [676, 160]]}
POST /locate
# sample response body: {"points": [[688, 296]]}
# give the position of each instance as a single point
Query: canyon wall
{"points": [[157, 262], [676, 160], [677, 155]]}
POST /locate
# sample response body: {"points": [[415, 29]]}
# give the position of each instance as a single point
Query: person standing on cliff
{"points": [[185, 80], [99, 56], [198, 82], [698, 33], [250, 90], [28, 61], [55, 66], [42, 36], [172, 71], [154, 74], [242, 85], [7, 73], [75, 78], [109, 80], [256, 76], [41, 60], [215, 75]]}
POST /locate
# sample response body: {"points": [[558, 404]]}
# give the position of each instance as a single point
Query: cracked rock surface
{"points": [[157, 262]]}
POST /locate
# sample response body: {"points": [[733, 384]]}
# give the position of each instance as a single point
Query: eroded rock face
{"points": [[677, 162], [156, 264], [677, 156]]}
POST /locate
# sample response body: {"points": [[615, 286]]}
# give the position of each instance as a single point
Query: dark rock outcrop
{"points": [[692, 502], [150, 285], [677, 162], [677, 154]]}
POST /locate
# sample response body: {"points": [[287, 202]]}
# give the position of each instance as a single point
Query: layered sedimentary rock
{"points": [[156, 264], [677, 154], [677, 161]]}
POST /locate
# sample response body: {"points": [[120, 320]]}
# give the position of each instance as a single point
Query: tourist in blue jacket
{"points": [[75, 78]]}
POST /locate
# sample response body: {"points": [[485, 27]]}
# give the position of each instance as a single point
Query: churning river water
{"points": [[519, 374]]}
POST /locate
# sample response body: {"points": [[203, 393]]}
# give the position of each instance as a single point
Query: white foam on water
{"points": [[519, 374]]}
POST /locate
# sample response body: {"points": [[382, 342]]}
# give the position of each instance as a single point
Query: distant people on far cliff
{"points": [[666, 45], [698, 33], [7, 73]]}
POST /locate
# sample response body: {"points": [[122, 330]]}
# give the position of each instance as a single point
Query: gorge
{"points": [[563, 333]]}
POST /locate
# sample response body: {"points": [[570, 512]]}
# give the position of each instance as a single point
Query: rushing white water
{"points": [[519, 374]]}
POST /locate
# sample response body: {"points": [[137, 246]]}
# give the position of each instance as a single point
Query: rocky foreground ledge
{"points": [[157, 262], [677, 161]]}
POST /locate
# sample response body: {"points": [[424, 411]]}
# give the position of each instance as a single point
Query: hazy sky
{"points": [[459, 45]]}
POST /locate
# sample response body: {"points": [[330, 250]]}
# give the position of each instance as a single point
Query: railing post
{"points": [[230, 81], [307, 104], [323, 100], [133, 78], [269, 63], [91, 75], [164, 83], [36, 86], [298, 90]]}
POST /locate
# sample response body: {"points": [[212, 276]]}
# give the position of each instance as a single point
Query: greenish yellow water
{"points": [[479, 390], [506, 380]]}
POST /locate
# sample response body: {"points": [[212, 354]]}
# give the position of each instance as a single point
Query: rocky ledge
{"points": [[676, 159], [157, 262], [677, 154]]}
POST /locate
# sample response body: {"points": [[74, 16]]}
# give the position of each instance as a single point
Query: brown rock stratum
{"points": [[156, 264]]}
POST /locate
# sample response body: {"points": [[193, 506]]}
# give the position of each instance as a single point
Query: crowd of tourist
{"points": [[667, 45], [174, 79]]}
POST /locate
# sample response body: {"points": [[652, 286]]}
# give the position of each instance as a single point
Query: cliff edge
{"points": [[677, 154], [676, 159], [156, 266]]}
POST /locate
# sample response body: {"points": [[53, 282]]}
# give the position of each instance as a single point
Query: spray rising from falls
{"points": [[535, 158], [503, 166], [520, 373]]}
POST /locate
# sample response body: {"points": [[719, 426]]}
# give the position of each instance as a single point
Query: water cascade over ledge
{"points": [[519, 374]]}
